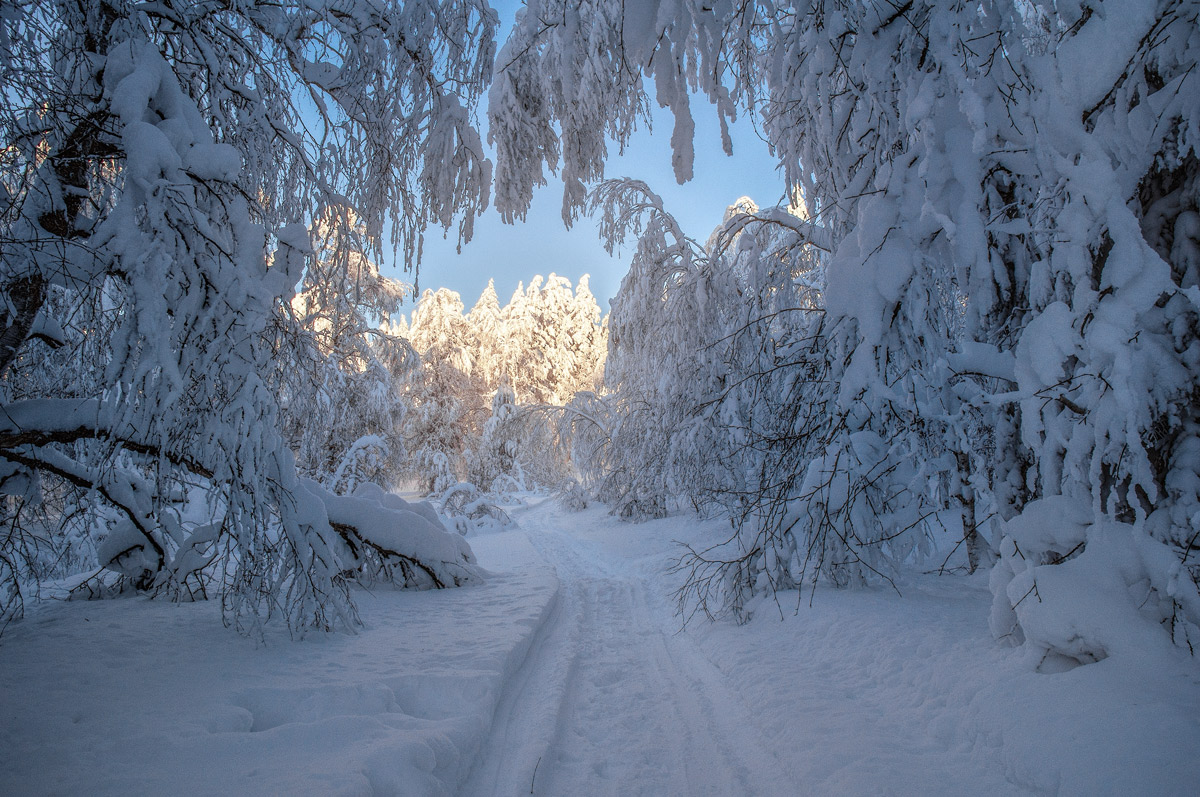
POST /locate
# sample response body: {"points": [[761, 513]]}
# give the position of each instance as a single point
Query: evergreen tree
{"points": [[532, 356]]}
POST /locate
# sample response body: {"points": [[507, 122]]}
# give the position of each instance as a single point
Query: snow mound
{"points": [[1076, 590]]}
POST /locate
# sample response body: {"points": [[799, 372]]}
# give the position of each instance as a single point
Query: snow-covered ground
{"points": [[566, 673], [134, 697]]}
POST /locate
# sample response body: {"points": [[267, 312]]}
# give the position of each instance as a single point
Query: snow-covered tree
{"points": [[492, 462], [654, 322], [351, 377], [572, 77], [589, 331], [486, 320], [532, 355], [523, 361], [1007, 192], [736, 321], [161, 163], [554, 348], [553, 340], [446, 408], [1003, 281]]}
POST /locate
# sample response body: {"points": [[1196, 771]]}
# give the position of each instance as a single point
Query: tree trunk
{"points": [[25, 297], [977, 549]]}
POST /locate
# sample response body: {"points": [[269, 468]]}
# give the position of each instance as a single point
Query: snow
{"points": [[980, 358], [393, 525], [141, 697], [124, 551], [1116, 31], [49, 329], [566, 672], [990, 316], [214, 161]]}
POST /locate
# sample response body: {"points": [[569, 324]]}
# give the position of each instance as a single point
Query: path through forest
{"points": [[565, 672], [611, 698], [861, 692]]}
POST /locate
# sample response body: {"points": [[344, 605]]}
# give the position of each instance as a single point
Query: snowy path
{"points": [[861, 693], [565, 673], [611, 700]]}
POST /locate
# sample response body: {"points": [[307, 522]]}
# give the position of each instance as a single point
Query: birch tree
{"points": [[1007, 193], [162, 161]]}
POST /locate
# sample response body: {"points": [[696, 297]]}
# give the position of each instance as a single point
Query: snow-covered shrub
{"points": [[571, 494], [1075, 588], [471, 510], [363, 461]]}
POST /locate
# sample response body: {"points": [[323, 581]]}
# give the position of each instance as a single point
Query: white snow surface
{"points": [[566, 672]]}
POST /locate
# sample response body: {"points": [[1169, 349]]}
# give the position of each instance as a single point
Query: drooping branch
{"points": [[43, 422], [119, 488], [806, 231]]}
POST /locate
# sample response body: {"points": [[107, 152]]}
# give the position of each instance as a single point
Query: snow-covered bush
{"points": [[471, 510], [364, 460], [397, 541], [570, 493], [1077, 588]]}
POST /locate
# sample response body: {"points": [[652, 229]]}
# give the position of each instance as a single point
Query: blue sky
{"points": [[510, 254]]}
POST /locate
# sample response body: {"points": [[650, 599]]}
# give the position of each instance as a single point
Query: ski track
{"points": [[610, 700]]}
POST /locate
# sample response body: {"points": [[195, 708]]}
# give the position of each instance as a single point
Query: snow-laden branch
{"points": [[42, 422], [396, 534], [807, 232]]}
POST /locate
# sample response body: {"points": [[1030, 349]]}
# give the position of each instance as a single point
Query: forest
{"points": [[967, 343]]}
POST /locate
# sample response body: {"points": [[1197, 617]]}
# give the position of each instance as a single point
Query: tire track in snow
{"points": [[610, 701]]}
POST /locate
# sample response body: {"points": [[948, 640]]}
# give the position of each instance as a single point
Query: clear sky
{"points": [[510, 254]]}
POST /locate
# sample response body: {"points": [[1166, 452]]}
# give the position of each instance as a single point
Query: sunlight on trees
{"points": [[523, 359]]}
